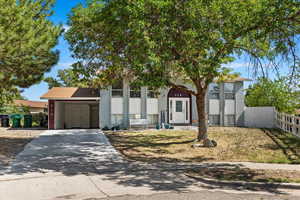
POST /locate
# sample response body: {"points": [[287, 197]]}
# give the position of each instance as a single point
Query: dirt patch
{"points": [[13, 142], [234, 144], [245, 174]]}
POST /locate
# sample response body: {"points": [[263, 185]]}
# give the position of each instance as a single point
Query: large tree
{"points": [[160, 41], [27, 38]]}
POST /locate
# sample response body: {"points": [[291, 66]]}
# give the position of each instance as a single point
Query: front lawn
{"points": [[234, 144], [13, 142]]}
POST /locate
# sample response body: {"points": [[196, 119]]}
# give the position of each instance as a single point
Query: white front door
{"points": [[179, 110]]}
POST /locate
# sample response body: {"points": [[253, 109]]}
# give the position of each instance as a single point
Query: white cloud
{"points": [[66, 27], [64, 64], [237, 65]]}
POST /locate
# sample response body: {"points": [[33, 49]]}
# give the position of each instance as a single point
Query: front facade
{"points": [[116, 105]]}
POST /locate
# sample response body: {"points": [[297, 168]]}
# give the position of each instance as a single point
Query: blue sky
{"points": [[62, 9]]}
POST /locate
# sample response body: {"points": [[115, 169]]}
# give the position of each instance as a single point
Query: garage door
{"points": [[77, 116]]}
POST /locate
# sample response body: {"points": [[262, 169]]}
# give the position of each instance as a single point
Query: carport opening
{"points": [[76, 114]]}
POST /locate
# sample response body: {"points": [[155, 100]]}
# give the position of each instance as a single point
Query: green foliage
{"points": [[27, 38], [6, 97], [72, 77], [277, 93], [171, 42], [158, 40]]}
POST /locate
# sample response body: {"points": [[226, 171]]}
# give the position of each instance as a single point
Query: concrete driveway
{"points": [[81, 164], [69, 152]]}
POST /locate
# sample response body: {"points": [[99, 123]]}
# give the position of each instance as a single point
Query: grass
{"points": [[234, 144], [245, 174], [13, 141]]}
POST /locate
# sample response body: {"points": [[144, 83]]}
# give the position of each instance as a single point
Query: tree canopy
{"points": [[158, 42], [27, 39], [277, 93], [71, 77]]}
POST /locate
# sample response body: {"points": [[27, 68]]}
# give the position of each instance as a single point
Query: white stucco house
{"points": [[117, 105]]}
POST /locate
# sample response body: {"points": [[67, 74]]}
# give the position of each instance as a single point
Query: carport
{"points": [[71, 108]]}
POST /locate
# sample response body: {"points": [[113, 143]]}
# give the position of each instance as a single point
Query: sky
{"points": [[61, 10]]}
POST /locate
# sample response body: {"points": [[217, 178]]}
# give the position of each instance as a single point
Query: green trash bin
{"points": [[27, 121], [16, 120]]}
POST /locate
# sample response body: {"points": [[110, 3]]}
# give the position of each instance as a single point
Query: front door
{"points": [[179, 110]]}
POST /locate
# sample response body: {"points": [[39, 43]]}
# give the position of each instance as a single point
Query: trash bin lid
{"points": [[16, 116], [4, 116]]}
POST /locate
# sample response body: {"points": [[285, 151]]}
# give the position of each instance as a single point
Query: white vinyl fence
{"points": [[288, 123], [260, 117]]}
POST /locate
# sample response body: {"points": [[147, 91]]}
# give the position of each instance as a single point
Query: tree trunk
{"points": [[202, 121]]}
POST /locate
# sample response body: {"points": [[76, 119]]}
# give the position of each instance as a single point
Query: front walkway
{"points": [[81, 164]]}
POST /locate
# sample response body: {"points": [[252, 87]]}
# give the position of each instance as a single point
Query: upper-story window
{"points": [[214, 91], [117, 89], [229, 91], [135, 91], [152, 93]]}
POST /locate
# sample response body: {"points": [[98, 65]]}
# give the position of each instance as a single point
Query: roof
{"points": [[237, 79], [31, 104], [71, 93]]}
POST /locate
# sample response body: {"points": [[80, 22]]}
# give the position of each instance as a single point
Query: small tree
{"points": [[277, 93], [27, 38], [161, 41]]}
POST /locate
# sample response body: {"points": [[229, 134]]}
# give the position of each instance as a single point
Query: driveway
{"points": [[81, 164], [69, 152]]}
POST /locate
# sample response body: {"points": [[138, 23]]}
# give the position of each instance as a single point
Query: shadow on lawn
{"points": [[89, 153], [289, 144]]}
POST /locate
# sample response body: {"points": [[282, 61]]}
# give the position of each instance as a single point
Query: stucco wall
{"points": [[260, 117]]}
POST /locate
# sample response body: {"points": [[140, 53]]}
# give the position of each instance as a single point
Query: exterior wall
{"points": [[260, 117], [125, 107], [105, 108], [239, 103], [51, 108]]}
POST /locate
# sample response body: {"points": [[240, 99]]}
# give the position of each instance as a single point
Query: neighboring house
{"points": [[89, 108], [33, 106]]}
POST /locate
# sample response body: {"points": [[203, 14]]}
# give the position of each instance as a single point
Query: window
{"points": [[152, 119], [135, 92], [117, 89], [214, 120], [229, 92], [214, 91], [229, 120], [178, 106], [116, 119], [152, 94]]}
